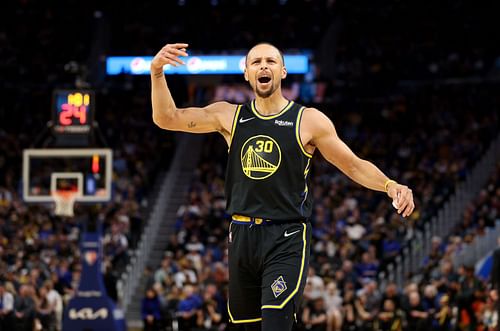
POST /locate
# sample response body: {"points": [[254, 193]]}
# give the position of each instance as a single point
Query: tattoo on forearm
{"points": [[191, 125], [159, 74]]}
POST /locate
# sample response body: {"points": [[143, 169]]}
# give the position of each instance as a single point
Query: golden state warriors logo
{"points": [[260, 157]]}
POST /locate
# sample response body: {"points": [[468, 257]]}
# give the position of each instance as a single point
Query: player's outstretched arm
{"points": [[214, 117], [325, 138]]}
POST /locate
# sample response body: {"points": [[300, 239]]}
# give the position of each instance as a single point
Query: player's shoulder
{"points": [[311, 110], [221, 109], [312, 114], [316, 122], [222, 106]]}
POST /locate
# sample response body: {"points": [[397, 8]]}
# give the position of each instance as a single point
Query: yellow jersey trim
{"points": [[270, 117], [232, 320], [300, 275], [235, 121], [297, 133]]}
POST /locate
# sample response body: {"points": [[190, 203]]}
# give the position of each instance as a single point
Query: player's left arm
{"points": [[323, 136]]}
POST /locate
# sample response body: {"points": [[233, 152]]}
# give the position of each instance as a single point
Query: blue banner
{"points": [[91, 308], [198, 65]]}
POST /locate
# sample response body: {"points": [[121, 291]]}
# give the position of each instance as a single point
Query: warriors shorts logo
{"points": [[260, 157], [279, 286]]}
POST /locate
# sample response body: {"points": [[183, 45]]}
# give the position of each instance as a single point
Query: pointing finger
{"points": [[180, 45]]}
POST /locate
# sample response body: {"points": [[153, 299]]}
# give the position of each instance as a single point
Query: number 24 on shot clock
{"points": [[73, 110]]}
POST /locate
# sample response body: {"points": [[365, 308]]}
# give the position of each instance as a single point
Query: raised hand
{"points": [[169, 54]]}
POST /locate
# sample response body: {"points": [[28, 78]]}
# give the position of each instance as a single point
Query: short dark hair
{"points": [[266, 43]]}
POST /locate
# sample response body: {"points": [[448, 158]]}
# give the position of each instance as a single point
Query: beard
{"points": [[265, 93]]}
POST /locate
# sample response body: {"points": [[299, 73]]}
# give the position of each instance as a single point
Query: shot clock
{"points": [[73, 111]]}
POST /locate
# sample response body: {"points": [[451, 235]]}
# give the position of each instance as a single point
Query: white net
{"points": [[65, 201]]}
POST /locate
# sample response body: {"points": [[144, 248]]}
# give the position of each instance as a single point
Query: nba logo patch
{"points": [[279, 286], [90, 257]]}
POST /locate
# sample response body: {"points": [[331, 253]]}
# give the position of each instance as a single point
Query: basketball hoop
{"points": [[65, 201]]}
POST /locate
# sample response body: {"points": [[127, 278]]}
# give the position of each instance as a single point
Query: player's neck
{"points": [[270, 105]]}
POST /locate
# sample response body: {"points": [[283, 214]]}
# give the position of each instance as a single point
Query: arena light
{"points": [[198, 65]]}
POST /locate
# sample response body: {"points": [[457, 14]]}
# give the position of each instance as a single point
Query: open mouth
{"points": [[264, 79]]}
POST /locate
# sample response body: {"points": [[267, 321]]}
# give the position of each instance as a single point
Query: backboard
{"points": [[85, 171]]}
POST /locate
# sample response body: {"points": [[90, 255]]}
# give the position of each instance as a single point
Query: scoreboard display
{"points": [[73, 111]]}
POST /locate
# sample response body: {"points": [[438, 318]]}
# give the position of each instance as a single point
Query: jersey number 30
{"points": [[266, 146]]}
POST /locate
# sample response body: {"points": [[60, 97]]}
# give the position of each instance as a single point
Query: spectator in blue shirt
{"points": [[367, 268], [151, 311], [391, 246], [189, 309]]}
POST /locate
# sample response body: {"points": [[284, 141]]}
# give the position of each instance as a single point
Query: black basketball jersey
{"points": [[267, 170]]}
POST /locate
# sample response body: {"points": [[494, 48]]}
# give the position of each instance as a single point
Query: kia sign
{"points": [[91, 308], [88, 314], [198, 65]]}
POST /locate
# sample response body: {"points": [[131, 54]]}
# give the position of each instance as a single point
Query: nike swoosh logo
{"points": [[246, 119], [291, 233]]}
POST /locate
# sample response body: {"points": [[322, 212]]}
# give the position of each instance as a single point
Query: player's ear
{"points": [[283, 73], [245, 73]]}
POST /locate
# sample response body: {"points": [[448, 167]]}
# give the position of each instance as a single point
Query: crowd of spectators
{"points": [[417, 139], [481, 214]]}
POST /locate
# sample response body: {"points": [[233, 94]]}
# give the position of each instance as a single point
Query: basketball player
{"points": [[271, 142]]}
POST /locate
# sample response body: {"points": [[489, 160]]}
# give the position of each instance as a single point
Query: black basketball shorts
{"points": [[268, 266]]}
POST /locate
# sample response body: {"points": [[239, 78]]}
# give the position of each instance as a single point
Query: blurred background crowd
{"points": [[411, 86]]}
